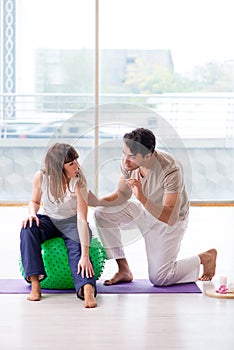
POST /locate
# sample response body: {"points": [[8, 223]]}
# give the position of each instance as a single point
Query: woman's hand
{"points": [[30, 220], [85, 267]]}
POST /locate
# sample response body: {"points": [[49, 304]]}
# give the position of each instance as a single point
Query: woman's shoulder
{"points": [[74, 183], [38, 174], [38, 177]]}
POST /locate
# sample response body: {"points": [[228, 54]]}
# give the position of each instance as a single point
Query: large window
{"points": [[88, 71]]}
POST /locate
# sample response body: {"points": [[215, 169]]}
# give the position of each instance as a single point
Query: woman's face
{"points": [[71, 169]]}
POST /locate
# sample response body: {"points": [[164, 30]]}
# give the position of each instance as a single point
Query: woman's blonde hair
{"points": [[58, 155]]}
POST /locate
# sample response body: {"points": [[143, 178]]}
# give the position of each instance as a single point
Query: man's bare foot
{"points": [[35, 294], [89, 298], [208, 260], [123, 275], [119, 277]]}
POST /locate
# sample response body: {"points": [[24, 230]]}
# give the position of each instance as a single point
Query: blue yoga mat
{"points": [[138, 286]]}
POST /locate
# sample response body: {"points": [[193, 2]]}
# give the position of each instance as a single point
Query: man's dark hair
{"points": [[140, 141]]}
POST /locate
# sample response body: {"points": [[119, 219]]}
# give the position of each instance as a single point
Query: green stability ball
{"points": [[55, 258]]}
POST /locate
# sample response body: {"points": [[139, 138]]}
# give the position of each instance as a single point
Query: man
{"points": [[160, 211]]}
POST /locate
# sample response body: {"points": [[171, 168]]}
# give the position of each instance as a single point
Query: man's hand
{"points": [[93, 200], [136, 187]]}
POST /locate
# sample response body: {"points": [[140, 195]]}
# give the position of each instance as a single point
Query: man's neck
{"points": [[148, 165]]}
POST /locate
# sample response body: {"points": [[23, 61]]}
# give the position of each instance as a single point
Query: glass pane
{"points": [[175, 59], [54, 65]]}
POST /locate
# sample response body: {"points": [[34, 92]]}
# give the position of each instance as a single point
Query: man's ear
{"points": [[148, 155]]}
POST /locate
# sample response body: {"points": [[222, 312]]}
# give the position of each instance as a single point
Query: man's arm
{"points": [[119, 196], [168, 212]]}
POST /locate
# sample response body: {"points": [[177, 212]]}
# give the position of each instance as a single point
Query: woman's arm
{"points": [[34, 204], [84, 265]]}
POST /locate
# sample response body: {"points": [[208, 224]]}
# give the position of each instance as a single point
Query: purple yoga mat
{"points": [[138, 286]]}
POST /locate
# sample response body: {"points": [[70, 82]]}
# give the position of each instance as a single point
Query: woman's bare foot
{"points": [[89, 298], [208, 260], [35, 294]]}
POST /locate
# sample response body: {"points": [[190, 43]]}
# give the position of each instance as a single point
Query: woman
{"points": [[61, 188]]}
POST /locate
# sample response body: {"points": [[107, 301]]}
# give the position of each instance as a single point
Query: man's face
{"points": [[131, 161]]}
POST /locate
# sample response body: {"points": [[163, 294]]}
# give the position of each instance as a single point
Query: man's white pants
{"points": [[162, 242]]}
